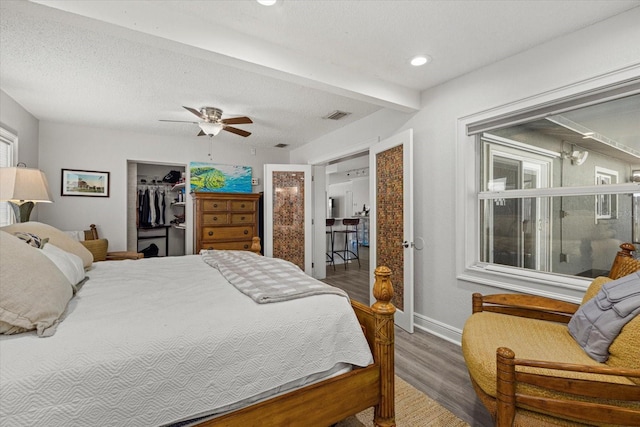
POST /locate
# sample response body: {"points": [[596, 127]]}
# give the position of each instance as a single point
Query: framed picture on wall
{"points": [[76, 182], [217, 178]]}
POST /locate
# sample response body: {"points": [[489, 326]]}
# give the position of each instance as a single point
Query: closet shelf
{"points": [[180, 226], [178, 204], [177, 186]]}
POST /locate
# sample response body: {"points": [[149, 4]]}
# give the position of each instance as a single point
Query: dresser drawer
{"points": [[242, 218], [225, 233], [215, 218], [243, 205], [215, 205], [237, 246]]}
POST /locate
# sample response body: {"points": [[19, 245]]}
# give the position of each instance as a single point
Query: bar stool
{"points": [[350, 228], [329, 223]]}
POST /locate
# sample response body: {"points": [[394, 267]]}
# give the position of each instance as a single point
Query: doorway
{"points": [[156, 208], [347, 196]]}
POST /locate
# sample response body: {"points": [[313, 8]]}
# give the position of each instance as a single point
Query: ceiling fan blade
{"points": [[196, 112], [201, 133], [178, 121], [237, 121], [236, 131]]}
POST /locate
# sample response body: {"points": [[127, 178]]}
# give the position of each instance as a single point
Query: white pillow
{"points": [[70, 264]]}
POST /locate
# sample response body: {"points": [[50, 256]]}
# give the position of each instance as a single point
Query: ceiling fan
{"points": [[213, 122]]}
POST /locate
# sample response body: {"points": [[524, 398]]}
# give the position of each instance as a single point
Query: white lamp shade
{"points": [[210, 128], [24, 184]]}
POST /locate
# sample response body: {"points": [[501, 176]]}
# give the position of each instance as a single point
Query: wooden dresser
{"points": [[225, 220]]}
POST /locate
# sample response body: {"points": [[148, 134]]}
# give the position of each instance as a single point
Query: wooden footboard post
{"points": [[505, 387], [383, 312]]}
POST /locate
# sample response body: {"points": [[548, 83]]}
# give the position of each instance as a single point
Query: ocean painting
{"points": [[220, 178]]}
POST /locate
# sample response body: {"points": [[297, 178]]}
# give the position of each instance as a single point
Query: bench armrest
{"points": [[607, 408], [531, 306]]}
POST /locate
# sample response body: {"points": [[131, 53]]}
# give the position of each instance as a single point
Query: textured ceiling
{"points": [[127, 65]]}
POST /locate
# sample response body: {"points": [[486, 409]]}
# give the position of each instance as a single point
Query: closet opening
{"points": [[156, 208]]}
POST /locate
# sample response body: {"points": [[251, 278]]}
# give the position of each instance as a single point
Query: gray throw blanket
{"points": [[266, 279], [599, 321]]}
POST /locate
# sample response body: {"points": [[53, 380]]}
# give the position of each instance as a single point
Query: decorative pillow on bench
{"points": [[607, 325]]}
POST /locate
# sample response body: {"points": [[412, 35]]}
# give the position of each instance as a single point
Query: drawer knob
{"points": [[215, 218], [246, 246], [210, 247], [215, 205], [242, 205], [246, 231], [211, 233], [242, 218]]}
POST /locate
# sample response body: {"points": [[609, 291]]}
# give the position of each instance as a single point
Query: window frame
{"points": [[468, 228], [603, 174], [11, 139], [494, 146]]}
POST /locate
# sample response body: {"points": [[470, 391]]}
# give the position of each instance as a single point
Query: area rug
{"points": [[413, 409]]}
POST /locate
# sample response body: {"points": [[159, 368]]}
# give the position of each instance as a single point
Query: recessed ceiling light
{"points": [[267, 2], [420, 60]]}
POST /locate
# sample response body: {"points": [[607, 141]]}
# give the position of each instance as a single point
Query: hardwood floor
{"points": [[429, 363]]}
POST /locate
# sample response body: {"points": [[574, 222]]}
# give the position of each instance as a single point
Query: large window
{"points": [[556, 193], [551, 188]]}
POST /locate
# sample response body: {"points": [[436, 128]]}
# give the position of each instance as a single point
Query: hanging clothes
{"points": [[156, 207], [164, 208], [152, 209], [145, 209]]}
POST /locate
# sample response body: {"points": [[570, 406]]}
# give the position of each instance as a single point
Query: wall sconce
{"points": [[577, 157], [22, 188], [635, 176]]}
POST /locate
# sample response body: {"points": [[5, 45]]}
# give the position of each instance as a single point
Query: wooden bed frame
{"points": [[503, 408], [327, 402]]}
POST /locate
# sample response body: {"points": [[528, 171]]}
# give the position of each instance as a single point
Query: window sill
{"points": [[565, 288]]}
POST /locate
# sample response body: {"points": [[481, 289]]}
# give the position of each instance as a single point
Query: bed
{"points": [[170, 341]]}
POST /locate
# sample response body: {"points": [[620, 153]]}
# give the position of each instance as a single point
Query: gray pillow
{"points": [[599, 321], [33, 291]]}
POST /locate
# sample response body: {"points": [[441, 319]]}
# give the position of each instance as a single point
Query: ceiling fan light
{"points": [[211, 128]]}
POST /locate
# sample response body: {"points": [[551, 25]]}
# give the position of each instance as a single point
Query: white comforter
{"points": [[154, 341]]}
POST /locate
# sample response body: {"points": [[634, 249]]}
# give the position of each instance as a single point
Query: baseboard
{"points": [[439, 329]]}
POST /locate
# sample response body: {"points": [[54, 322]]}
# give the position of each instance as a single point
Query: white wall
{"points": [[360, 187], [442, 303], [73, 147], [338, 192]]}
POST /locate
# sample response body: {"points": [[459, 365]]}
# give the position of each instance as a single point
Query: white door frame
{"points": [[319, 216]]}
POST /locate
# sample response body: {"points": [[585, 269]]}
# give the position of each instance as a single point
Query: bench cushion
{"points": [[484, 332]]}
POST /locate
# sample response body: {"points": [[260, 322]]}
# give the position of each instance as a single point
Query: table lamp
{"points": [[22, 188]]}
